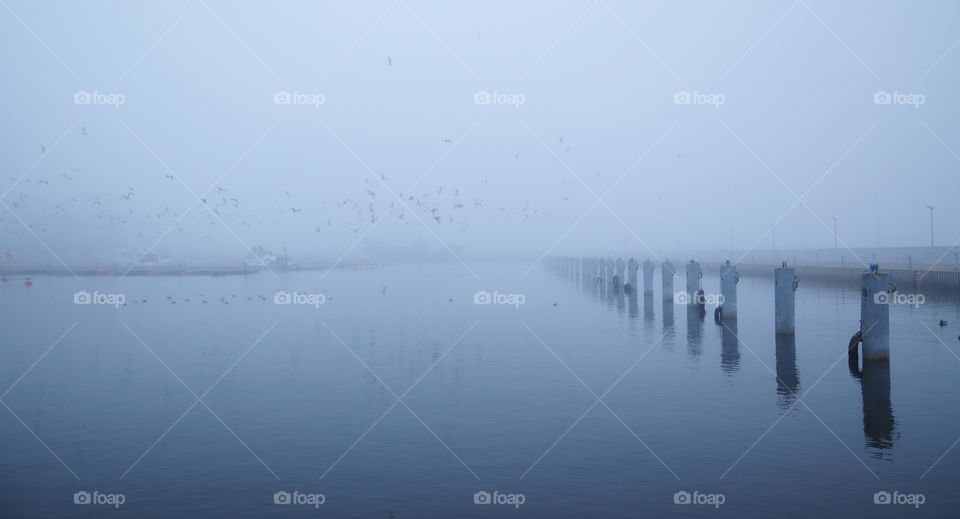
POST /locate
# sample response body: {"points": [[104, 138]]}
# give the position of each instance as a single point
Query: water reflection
{"points": [[667, 314], [878, 421], [730, 351], [788, 377], [648, 309], [634, 307], [621, 303], [695, 314]]}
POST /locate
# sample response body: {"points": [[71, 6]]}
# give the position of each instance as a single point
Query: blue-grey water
{"points": [[494, 397]]}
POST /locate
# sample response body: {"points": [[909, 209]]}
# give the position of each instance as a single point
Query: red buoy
{"points": [[4, 279], [28, 283]]}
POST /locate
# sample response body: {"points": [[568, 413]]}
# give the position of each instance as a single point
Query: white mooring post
{"points": [[875, 297], [785, 286], [666, 277], [648, 277], [694, 274], [728, 289]]}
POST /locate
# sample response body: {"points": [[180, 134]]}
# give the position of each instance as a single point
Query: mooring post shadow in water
{"points": [[878, 420], [694, 277], [666, 280], [785, 287], [695, 315], [621, 301], [730, 348], [667, 313], [788, 377], [648, 308], [648, 277]]}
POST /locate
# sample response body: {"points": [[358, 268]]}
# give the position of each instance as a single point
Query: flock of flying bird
{"points": [[76, 199]]}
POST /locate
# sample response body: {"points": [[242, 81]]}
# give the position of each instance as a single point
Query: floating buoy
{"points": [[4, 279], [28, 283]]}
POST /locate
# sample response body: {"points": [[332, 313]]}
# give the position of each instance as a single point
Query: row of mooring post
{"points": [[873, 336], [623, 275]]}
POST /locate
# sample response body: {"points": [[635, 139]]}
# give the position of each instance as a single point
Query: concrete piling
{"points": [[729, 277], [694, 275], [875, 297], [632, 266], [667, 271], [618, 267], [785, 287], [648, 268]]}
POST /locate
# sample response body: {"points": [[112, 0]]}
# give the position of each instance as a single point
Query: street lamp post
{"points": [[834, 231], [930, 207]]}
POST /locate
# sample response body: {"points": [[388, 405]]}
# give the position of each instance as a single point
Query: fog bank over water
{"points": [[220, 131]]}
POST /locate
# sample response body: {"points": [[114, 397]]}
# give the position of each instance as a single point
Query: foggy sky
{"points": [[599, 118]]}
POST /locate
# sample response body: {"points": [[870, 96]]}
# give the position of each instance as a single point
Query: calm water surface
{"points": [[493, 397]]}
